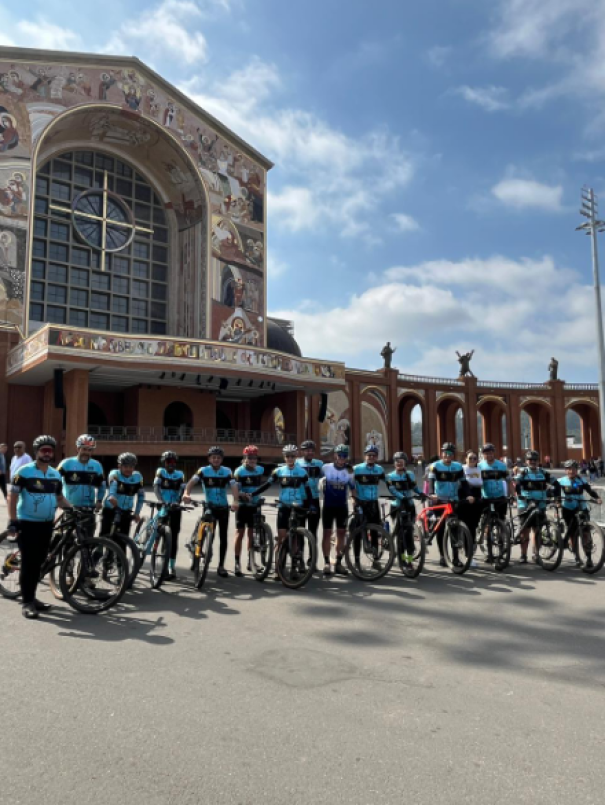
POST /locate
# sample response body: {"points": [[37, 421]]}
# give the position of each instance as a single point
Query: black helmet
{"points": [[169, 455], [400, 456], [308, 444], [488, 446], [127, 459], [532, 455], [216, 451], [448, 447], [571, 464], [44, 441]]}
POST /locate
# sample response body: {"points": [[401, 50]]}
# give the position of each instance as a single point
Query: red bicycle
{"points": [[457, 539]]}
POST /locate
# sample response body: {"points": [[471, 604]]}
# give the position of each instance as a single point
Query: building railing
{"points": [[438, 380], [581, 387], [499, 384], [127, 433]]}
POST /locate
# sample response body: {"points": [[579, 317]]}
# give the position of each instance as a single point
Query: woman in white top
{"points": [[470, 513]]}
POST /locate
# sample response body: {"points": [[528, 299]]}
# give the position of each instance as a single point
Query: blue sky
{"points": [[429, 159]]}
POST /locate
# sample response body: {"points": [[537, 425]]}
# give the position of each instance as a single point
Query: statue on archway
{"points": [[553, 368], [387, 354], [465, 363]]}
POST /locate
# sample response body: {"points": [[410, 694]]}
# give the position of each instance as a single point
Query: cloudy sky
{"points": [[429, 160]]}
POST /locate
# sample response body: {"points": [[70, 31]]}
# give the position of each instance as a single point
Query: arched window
{"points": [[99, 247], [223, 422], [178, 414], [96, 415]]}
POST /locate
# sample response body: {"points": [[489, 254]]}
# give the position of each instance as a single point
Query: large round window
{"points": [[102, 220]]}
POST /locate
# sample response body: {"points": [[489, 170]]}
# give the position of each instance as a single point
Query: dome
{"points": [[279, 339]]}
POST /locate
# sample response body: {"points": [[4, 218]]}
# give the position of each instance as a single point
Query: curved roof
{"points": [[280, 339]]}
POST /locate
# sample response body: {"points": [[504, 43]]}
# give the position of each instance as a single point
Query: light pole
{"points": [[591, 227]]}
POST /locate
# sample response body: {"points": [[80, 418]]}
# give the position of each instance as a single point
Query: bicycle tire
{"points": [[261, 555], [53, 576], [499, 537], [382, 538], [132, 552], [159, 558], [598, 554], [549, 546], [414, 569], [294, 580], [141, 537], [457, 539], [10, 567], [75, 574], [204, 548]]}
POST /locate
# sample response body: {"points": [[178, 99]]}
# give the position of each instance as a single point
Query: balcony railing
{"points": [[127, 433], [504, 384], [581, 387], [439, 380]]}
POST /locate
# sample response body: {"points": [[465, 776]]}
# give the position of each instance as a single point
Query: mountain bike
{"points": [[457, 539], [584, 538], [93, 571], [154, 539], [201, 542], [407, 533], [547, 534], [494, 534], [296, 556], [369, 548], [262, 547], [126, 543]]}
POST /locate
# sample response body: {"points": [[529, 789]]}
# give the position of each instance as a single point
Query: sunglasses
{"points": [[472, 458], [46, 450], [252, 458]]}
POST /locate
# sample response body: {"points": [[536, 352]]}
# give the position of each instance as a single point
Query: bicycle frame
{"points": [[447, 510]]}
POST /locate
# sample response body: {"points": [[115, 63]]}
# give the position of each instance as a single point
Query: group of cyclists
{"points": [[318, 492]]}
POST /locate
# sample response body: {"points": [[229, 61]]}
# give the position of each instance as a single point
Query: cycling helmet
{"points": [[571, 464], [532, 455], [169, 455], [488, 446], [44, 441], [448, 447], [309, 444], [216, 451], [371, 448], [127, 459], [251, 450], [341, 450], [400, 456], [290, 450], [85, 440]]}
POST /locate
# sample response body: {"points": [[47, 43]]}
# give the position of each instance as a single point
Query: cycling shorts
{"points": [[283, 518], [340, 514], [245, 516]]}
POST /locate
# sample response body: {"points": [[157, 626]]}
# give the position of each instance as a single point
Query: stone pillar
{"points": [[356, 429], [75, 386], [470, 413], [391, 376], [52, 418], [558, 426], [514, 427], [430, 412], [314, 423]]}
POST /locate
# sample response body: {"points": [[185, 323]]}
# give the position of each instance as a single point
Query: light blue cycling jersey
{"points": [[83, 484], [313, 470], [446, 479], [367, 481], [402, 485], [215, 483], [531, 485], [170, 485], [37, 492], [293, 483], [249, 479], [492, 476], [339, 481], [573, 492], [124, 490]]}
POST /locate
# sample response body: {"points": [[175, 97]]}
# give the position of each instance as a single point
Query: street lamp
{"points": [[592, 226]]}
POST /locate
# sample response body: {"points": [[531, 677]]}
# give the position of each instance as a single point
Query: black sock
{"points": [[339, 559], [327, 559], [237, 559]]}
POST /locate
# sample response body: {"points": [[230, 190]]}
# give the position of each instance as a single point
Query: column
{"points": [[430, 412], [470, 413], [355, 411], [514, 427], [314, 423], [393, 414], [75, 386]]}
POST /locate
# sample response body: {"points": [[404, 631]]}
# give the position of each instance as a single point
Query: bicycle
{"points": [[585, 539], [93, 571], [404, 525], [126, 543], [262, 547], [494, 534], [457, 539], [154, 538], [548, 539], [293, 569], [374, 546], [201, 542]]}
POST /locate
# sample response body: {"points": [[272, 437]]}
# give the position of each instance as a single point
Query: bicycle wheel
{"points": [[53, 576], [549, 546], [160, 556], [499, 539], [591, 545], [292, 567], [10, 567], [376, 552], [414, 568], [132, 552], [94, 575], [141, 536], [261, 554], [203, 553], [457, 546]]}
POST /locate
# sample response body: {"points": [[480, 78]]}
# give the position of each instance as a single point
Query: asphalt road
{"points": [[485, 688]]}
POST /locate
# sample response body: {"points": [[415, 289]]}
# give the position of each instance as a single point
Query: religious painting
{"points": [[236, 326], [12, 274], [40, 115], [14, 191], [234, 286], [336, 428], [374, 429]]}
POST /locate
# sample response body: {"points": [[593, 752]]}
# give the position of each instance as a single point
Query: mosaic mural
{"points": [[336, 428]]}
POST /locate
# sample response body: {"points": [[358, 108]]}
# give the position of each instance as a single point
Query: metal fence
{"points": [[127, 433]]}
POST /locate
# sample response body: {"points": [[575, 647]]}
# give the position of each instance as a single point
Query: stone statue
{"points": [[465, 363], [387, 354], [553, 368]]}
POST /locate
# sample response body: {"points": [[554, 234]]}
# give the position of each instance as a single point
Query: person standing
{"points": [[446, 478], [83, 480], [19, 459], [312, 466], [3, 449], [36, 492], [470, 513], [169, 486], [337, 483], [249, 476]]}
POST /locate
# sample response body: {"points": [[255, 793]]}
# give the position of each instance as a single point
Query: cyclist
{"points": [[401, 483], [36, 491], [294, 489], [169, 485], [493, 473], [83, 479], [123, 486], [215, 479], [312, 466], [336, 482], [446, 477], [367, 478], [249, 477], [572, 488], [531, 483]]}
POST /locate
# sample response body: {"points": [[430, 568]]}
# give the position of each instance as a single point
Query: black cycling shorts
{"points": [[283, 518], [332, 513], [500, 506], [245, 516]]}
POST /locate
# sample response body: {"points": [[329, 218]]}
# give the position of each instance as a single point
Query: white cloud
{"points": [[438, 55], [491, 98], [405, 223], [38, 33], [526, 193], [276, 267]]}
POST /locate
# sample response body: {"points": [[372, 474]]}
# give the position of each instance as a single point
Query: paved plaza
{"points": [[482, 688]]}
